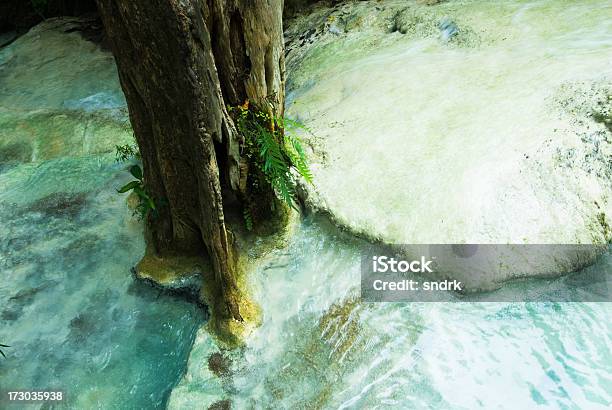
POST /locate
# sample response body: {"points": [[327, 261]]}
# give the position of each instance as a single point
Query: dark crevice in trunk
{"points": [[242, 63]]}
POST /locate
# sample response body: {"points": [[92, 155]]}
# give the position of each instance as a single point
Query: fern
{"points": [[298, 157], [285, 186], [270, 144], [270, 151]]}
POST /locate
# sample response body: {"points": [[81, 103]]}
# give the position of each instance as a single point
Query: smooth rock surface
{"points": [[488, 137], [461, 122], [59, 95]]}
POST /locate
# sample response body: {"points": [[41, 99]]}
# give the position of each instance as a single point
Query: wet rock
{"points": [[11, 313], [15, 152], [221, 405], [340, 327], [219, 364], [35, 135], [462, 141], [174, 275], [26, 296], [55, 55], [22, 299], [413, 22], [59, 205], [85, 244], [81, 326]]}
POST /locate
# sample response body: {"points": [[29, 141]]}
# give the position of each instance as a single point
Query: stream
{"points": [[319, 347]]}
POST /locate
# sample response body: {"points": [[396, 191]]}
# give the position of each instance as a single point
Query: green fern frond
{"points": [[298, 157], [285, 187], [270, 151], [274, 149], [290, 124]]}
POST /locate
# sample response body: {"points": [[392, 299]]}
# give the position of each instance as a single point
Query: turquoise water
{"points": [[73, 315], [319, 347]]}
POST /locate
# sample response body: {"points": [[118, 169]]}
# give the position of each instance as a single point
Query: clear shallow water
{"points": [[74, 317], [320, 348]]}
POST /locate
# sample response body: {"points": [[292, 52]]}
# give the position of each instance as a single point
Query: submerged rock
{"points": [[15, 152], [497, 136], [59, 204], [219, 364]]}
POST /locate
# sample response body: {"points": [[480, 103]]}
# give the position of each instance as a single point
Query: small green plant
{"points": [[126, 152], [271, 144], [1, 352], [146, 204]]}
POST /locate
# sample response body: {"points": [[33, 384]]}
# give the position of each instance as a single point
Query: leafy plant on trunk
{"points": [[146, 204], [272, 146], [126, 152]]}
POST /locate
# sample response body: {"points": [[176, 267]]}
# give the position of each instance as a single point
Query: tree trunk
{"points": [[181, 63]]}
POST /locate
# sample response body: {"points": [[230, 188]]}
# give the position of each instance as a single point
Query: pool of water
{"points": [[73, 315]]}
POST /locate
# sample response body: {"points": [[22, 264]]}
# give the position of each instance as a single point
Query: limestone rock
{"points": [[497, 136]]}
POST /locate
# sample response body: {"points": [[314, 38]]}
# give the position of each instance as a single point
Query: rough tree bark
{"points": [[181, 63]]}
